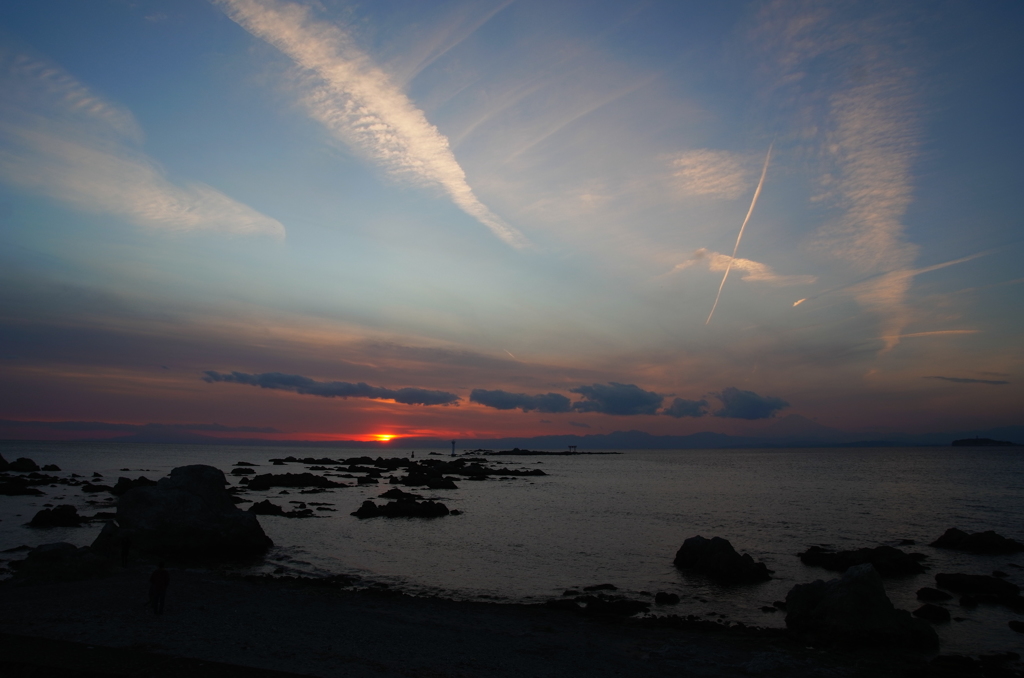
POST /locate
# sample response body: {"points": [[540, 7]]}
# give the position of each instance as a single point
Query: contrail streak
{"points": [[757, 192]]}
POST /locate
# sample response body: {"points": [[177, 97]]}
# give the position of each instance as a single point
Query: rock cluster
{"points": [[889, 561], [403, 508], [987, 542], [187, 514], [717, 559], [854, 609]]}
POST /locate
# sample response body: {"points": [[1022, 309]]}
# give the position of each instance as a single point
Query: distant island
{"points": [[982, 442]]}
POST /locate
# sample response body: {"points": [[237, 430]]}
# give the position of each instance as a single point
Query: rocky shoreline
{"points": [[323, 627], [191, 517]]}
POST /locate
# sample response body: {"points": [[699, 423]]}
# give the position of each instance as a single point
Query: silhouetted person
{"points": [[158, 582]]}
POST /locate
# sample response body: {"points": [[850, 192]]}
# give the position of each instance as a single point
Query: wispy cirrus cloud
{"points": [[752, 271], [59, 139], [333, 389], [360, 105], [845, 76], [709, 173]]}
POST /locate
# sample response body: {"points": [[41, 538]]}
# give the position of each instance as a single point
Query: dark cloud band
{"points": [[739, 404], [617, 399], [550, 403], [333, 389]]}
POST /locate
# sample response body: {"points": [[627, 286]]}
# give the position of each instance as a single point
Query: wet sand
{"points": [[306, 630]]}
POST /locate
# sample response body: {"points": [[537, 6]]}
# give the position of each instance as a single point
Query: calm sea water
{"points": [[617, 519]]}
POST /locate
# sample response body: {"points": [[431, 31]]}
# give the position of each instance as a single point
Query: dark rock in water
{"points": [[268, 480], [663, 598], [932, 613], [768, 608], [854, 609], [367, 481], [601, 587], [717, 559], [51, 467], [907, 542], [124, 484], [968, 601], [1017, 626], [987, 542], [61, 562], [570, 592], [403, 508], [97, 474], [23, 465], [889, 561], [94, 488], [268, 508], [395, 493], [245, 463], [780, 605], [187, 514], [975, 584], [15, 487], [243, 471], [4, 464], [64, 515], [930, 595]]}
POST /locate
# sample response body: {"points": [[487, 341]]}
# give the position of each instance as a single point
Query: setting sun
{"points": [[383, 437]]}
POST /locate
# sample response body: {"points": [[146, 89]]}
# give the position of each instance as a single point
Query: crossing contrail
{"points": [[757, 192]]}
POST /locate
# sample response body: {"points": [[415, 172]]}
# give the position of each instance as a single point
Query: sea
{"points": [[611, 519]]}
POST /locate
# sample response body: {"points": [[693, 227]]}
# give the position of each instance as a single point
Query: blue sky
{"points": [[511, 198]]}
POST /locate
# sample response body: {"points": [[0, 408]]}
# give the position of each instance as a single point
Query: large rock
{"points": [[23, 465], [854, 609], [717, 559], [187, 514], [62, 562], [980, 542], [64, 515], [4, 465], [889, 561]]}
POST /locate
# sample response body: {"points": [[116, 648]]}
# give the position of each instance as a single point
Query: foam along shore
{"points": [[302, 628]]}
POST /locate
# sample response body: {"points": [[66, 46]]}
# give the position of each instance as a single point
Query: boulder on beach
{"points": [[987, 542], [854, 609], [64, 515], [61, 562], [717, 559], [187, 514], [23, 465], [889, 561], [124, 484], [4, 464], [403, 508]]}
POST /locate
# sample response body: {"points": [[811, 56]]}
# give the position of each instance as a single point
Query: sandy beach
{"points": [[306, 630]]}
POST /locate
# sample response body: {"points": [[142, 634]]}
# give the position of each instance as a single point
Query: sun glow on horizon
{"points": [[383, 437]]}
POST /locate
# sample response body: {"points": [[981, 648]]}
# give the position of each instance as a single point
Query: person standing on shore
{"points": [[158, 582]]}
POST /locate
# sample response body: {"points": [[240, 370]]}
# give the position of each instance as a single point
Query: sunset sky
{"points": [[317, 220]]}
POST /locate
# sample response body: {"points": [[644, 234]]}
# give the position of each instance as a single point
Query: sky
{"points": [[478, 219]]}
